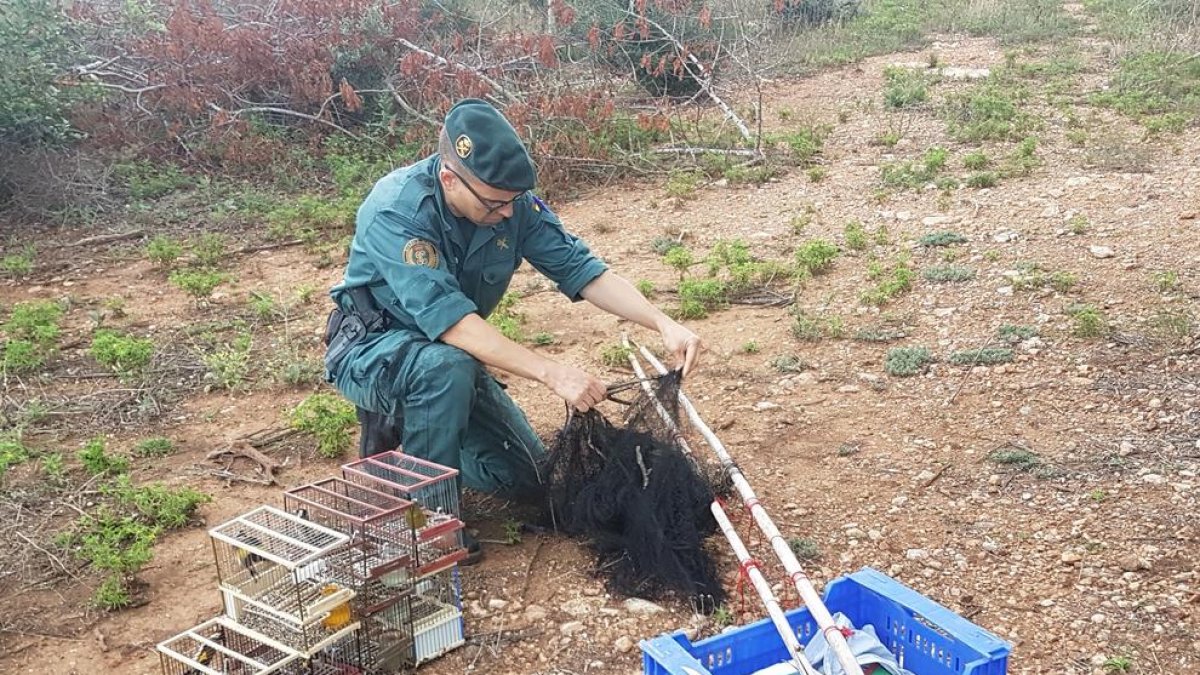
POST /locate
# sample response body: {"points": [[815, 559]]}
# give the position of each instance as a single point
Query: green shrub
{"points": [[18, 264], [229, 365], [817, 174], [124, 354], [982, 179], [37, 46], [892, 283], [96, 460], [945, 274], [915, 174], [680, 258], [988, 111], [154, 447], [32, 330], [906, 361], [615, 355], [147, 180], [508, 320], [160, 506], [198, 283], [54, 466], [788, 363], [646, 288], [856, 236], [809, 328], [1014, 334], [697, 297], [1089, 322], [209, 249], [1016, 457], [816, 256], [12, 452], [986, 356], [975, 161], [163, 250], [327, 417], [904, 87], [805, 550], [942, 238]]}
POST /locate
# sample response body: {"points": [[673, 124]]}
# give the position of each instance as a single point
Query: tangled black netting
{"points": [[641, 503]]}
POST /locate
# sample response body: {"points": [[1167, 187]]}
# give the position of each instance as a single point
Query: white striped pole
{"points": [[812, 599]]}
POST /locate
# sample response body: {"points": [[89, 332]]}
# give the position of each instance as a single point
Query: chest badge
{"points": [[502, 243]]}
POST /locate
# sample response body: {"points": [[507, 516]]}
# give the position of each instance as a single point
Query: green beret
{"points": [[489, 146]]}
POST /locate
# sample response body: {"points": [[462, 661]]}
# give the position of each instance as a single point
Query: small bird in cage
{"points": [[205, 653], [339, 617], [415, 517], [249, 558]]}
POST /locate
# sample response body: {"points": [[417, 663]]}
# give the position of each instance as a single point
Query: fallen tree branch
{"points": [[284, 111], [108, 238], [243, 449], [462, 67]]}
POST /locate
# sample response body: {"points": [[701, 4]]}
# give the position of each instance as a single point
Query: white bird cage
{"points": [[220, 646]]}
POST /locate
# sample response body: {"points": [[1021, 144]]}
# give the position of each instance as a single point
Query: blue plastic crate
{"points": [[927, 638]]}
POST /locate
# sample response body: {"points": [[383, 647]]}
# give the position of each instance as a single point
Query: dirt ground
{"points": [[1093, 555]]}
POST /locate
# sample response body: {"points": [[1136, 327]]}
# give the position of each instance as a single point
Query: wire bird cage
{"points": [[274, 573], [219, 646], [431, 485], [437, 618], [345, 656], [392, 540]]}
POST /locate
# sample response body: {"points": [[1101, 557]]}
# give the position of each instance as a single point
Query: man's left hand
{"points": [[684, 345]]}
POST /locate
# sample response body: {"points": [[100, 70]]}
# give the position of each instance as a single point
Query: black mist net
{"points": [[639, 501]]}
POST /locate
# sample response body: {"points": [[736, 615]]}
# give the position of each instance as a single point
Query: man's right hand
{"points": [[580, 390]]}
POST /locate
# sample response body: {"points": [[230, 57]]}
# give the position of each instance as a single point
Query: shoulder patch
{"points": [[420, 252], [538, 204]]}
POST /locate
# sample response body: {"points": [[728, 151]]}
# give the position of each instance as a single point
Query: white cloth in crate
{"points": [[864, 645]]}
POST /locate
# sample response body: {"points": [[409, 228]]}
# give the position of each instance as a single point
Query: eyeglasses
{"points": [[492, 205]]}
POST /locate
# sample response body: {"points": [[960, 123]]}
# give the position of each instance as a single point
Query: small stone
{"points": [[535, 613], [1071, 558], [624, 644], [642, 607], [765, 405], [925, 476], [1047, 603], [916, 554], [571, 628], [1098, 618], [855, 533], [1153, 479], [1132, 563], [1125, 449], [1101, 251], [1005, 290], [849, 389], [1076, 181], [497, 603], [1005, 236]]}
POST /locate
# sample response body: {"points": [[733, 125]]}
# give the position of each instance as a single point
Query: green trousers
{"points": [[446, 408]]}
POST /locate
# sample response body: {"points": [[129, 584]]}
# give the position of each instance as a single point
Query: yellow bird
{"points": [[339, 617], [415, 517]]}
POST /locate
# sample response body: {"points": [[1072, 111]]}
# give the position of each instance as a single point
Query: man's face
{"points": [[481, 204]]}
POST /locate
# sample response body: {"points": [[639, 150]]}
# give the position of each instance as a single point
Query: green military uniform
{"points": [[427, 269]]}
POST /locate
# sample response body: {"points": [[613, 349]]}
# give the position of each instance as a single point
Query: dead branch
{"points": [[242, 449], [284, 111], [462, 67], [408, 108], [108, 238]]}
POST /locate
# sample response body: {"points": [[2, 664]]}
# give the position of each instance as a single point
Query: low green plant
{"points": [[1089, 322], [506, 319], [12, 452], [805, 549], [810, 328], [941, 238], [615, 355], [662, 245], [915, 174], [1014, 334], [683, 184], [904, 87], [1173, 325], [982, 179], [112, 594], [148, 180], [991, 110], [948, 274], [209, 249], [155, 503], [1118, 664], [1166, 281], [646, 288], [542, 339], [229, 364], [154, 447], [697, 297], [327, 417], [198, 283], [856, 236], [680, 258], [1019, 458], [126, 355], [879, 334], [906, 361], [888, 139], [816, 256], [1078, 224], [892, 283], [19, 264], [264, 305], [976, 160], [788, 363], [985, 356], [96, 460], [751, 347], [54, 465], [816, 174], [722, 617], [163, 250]]}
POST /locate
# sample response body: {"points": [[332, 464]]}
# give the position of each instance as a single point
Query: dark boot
{"points": [[474, 550], [378, 433]]}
